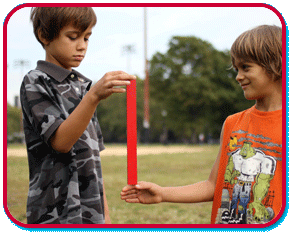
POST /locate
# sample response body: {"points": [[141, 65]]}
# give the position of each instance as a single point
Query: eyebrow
{"points": [[77, 32], [242, 61]]}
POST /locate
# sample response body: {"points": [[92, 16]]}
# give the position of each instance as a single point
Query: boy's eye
{"points": [[72, 38], [245, 67]]}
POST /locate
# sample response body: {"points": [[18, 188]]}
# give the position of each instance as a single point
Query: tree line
{"points": [[192, 91]]}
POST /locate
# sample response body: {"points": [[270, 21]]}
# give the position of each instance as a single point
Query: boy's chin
{"points": [[75, 64], [249, 97], [252, 97]]}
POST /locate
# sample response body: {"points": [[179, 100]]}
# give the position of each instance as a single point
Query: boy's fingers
{"points": [[123, 76], [118, 90], [129, 196], [113, 73], [128, 187], [133, 189], [128, 192], [119, 75], [118, 83], [134, 200]]}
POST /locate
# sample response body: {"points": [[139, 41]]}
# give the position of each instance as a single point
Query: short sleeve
{"points": [[40, 107]]}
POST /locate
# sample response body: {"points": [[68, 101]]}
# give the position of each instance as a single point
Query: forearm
{"points": [[199, 192], [73, 127]]}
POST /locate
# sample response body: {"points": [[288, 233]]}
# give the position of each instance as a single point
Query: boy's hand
{"points": [[110, 83], [143, 192]]}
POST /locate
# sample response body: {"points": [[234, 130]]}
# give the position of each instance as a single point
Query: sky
{"points": [[118, 27]]}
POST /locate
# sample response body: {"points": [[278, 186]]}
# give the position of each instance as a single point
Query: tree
{"points": [[193, 82], [13, 119], [112, 115]]}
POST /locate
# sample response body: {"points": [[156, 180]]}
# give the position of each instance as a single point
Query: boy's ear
{"points": [[44, 41]]}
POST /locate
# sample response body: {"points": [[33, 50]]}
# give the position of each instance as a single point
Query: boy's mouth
{"points": [[244, 86], [79, 57]]}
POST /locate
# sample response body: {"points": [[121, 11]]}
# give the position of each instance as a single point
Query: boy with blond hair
{"points": [[245, 181], [62, 133]]}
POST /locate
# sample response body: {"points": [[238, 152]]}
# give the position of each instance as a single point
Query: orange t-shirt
{"points": [[249, 183]]}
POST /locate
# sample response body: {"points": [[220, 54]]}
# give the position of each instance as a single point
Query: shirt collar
{"points": [[58, 73]]}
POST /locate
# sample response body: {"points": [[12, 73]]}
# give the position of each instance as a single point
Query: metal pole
{"points": [[146, 123]]}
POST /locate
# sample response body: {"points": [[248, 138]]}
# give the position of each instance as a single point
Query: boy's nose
{"points": [[239, 76], [82, 45]]}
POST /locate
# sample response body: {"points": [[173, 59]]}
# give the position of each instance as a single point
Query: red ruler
{"points": [[131, 133]]}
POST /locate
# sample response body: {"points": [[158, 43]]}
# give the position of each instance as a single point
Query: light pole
{"points": [[146, 122]]}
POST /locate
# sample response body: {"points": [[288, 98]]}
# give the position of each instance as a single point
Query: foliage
{"points": [[193, 83], [13, 119], [112, 115]]}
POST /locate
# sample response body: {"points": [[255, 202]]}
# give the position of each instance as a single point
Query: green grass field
{"points": [[164, 169]]}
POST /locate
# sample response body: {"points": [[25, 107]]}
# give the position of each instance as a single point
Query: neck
{"points": [[270, 104], [267, 108], [273, 101], [51, 59]]}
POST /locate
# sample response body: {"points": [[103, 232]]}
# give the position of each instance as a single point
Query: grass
{"points": [[17, 187], [15, 146], [166, 170]]}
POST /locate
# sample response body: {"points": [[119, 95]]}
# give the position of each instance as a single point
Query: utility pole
{"points": [[146, 122]]}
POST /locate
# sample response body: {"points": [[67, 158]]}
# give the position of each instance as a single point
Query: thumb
{"points": [[143, 185]]}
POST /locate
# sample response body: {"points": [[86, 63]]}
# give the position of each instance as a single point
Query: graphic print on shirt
{"points": [[246, 197]]}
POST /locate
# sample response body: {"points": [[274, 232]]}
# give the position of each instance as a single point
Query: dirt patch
{"points": [[148, 150], [122, 150], [17, 152]]}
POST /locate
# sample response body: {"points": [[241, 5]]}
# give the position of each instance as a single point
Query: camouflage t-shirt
{"points": [[64, 188]]}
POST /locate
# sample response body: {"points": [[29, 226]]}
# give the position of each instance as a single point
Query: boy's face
{"points": [[256, 83], [69, 48]]}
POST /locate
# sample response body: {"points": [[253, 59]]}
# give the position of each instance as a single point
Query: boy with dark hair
{"points": [[62, 133], [245, 181]]}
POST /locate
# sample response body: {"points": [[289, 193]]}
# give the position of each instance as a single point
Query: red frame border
{"points": [[228, 226]]}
